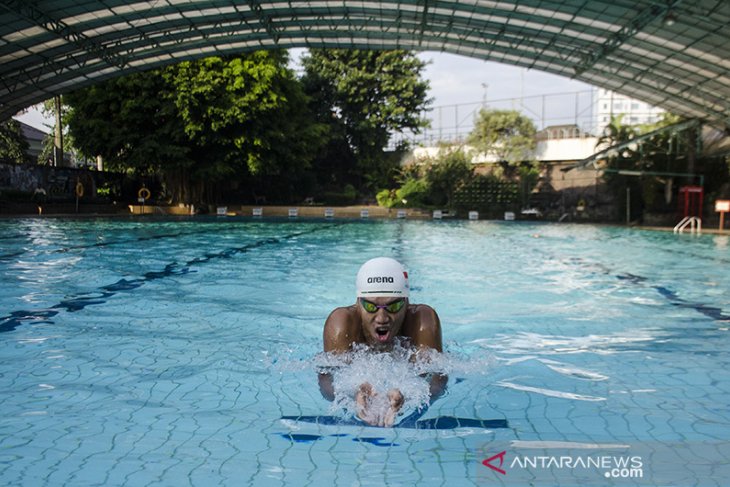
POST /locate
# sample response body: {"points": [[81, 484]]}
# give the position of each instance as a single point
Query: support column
{"points": [[58, 134]]}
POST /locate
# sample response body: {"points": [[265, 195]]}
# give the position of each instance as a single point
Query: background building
{"points": [[608, 104]]}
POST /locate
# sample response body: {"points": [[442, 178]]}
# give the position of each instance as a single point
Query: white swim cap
{"points": [[382, 277]]}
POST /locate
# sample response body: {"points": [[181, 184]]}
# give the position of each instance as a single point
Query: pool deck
{"points": [[708, 231], [303, 211], [274, 211]]}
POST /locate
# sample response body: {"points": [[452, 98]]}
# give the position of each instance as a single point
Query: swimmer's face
{"points": [[382, 319]]}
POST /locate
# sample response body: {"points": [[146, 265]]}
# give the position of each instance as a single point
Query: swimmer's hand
{"points": [[370, 408]]}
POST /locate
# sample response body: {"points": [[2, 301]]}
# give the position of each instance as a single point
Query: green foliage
{"points": [[247, 119], [665, 120], [246, 109], [529, 174], [449, 181], [48, 108], [658, 153], [616, 132], [665, 152], [386, 198], [487, 194], [13, 146], [347, 196], [131, 122], [507, 134], [364, 97], [451, 169], [202, 123], [415, 192], [430, 184]]}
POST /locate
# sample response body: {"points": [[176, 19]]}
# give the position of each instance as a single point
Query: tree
{"points": [[662, 152], [246, 115], [507, 134], [132, 123], [617, 133], [451, 170], [48, 108], [13, 146], [433, 183], [201, 124], [129, 121], [365, 97], [245, 105]]}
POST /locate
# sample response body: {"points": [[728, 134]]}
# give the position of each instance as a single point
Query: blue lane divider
{"points": [[14, 319]]}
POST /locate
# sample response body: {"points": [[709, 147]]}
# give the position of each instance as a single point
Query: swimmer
{"points": [[381, 317]]}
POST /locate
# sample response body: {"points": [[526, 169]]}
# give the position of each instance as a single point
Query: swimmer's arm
{"points": [[326, 387], [437, 386], [337, 337], [427, 335]]}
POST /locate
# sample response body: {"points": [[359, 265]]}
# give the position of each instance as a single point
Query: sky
{"points": [[461, 85], [458, 79], [458, 87]]}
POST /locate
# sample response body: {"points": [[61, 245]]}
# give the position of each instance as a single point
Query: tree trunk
{"points": [[58, 135]]}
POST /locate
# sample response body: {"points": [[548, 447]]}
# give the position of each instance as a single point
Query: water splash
{"points": [[402, 368]]}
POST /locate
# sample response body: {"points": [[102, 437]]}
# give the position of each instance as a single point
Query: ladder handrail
{"points": [[695, 224], [679, 226]]}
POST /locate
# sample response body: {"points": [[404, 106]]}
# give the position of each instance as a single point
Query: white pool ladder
{"points": [[694, 223]]}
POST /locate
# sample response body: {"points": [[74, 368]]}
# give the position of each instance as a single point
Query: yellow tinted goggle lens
{"points": [[369, 307], [393, 307]]}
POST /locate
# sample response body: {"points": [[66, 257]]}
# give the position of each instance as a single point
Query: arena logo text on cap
{"points": [[382, 277]]}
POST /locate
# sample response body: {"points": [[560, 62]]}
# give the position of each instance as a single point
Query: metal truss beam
{"points": [[29, 10], [639, 23]]}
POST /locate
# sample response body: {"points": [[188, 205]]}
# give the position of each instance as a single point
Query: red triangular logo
{"points": [[487, 462]]}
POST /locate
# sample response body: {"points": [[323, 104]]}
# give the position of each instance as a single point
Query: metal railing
{"points": [[694, 223]]}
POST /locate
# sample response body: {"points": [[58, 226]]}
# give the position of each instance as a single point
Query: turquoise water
{"points": [[160, 352]]}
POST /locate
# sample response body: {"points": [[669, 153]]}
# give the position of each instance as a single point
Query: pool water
{"points": [[184, 352]]}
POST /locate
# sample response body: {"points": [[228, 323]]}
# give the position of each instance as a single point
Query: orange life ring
{"points": [[144, 193], [79, 189]]}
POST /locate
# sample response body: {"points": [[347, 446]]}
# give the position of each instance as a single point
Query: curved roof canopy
{"points": [[669, 53]]}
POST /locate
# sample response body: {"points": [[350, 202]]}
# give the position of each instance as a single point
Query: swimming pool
{"points": [[179, 352]]}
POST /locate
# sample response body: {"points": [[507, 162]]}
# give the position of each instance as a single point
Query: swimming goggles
{"points": [[393, 307]]}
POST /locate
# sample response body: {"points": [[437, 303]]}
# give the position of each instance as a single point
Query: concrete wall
{"points": [[574, 149], [549, 150], [57, 182]]}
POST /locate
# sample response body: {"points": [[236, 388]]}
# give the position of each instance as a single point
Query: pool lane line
{"points": [[412, 421], [669, 295], [76, 303], [710, 311], [11, 237], [10, 256], [64, 250]]}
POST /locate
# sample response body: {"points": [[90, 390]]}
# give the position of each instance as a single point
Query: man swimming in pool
{"points": [[381, 317]]}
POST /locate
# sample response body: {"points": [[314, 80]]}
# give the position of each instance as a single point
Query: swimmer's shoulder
{"points": [[343, 315], [423, 326], [341, 329]]}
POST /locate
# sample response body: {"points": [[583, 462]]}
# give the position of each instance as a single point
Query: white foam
{"points": [[402, 369], [383, 371], [572, 371], [550, 392]]}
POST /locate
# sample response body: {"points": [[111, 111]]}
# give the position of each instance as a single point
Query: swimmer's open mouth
{"points": [[383, 333]]}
